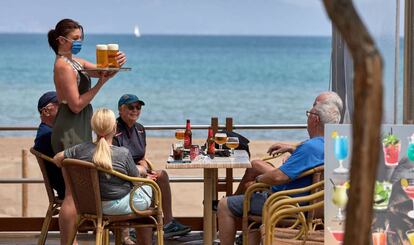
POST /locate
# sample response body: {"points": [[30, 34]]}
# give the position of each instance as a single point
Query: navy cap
{"points": [[129, 99], [46, 98]]}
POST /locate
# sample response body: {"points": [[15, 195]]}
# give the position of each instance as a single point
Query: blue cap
{"points": [[129, 99], [46, 98]]}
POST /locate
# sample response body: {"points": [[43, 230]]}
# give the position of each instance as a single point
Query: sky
{"points": [[189, 17], [211, 17]]}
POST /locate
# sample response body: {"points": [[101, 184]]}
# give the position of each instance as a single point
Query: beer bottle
{"points": [[210, 143], [187, 135]]}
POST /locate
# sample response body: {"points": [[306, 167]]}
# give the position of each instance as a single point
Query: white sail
{"points": [[136, 31]]}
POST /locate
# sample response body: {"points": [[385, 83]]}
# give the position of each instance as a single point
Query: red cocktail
{"points": [[337, 234], [391, 153], [409, 190]]}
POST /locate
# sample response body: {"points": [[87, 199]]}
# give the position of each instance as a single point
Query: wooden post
{"points": [[25, 172], [229, 171], [214, 124], [366, 123]]}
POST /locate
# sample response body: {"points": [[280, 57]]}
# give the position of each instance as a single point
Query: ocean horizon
{"points": [[253, 79]]}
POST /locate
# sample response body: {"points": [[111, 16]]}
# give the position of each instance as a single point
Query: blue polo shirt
{"points": [[308, 155]]}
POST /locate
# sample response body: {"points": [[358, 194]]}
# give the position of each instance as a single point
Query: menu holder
{"points": [[109, 69], [184, 160]]}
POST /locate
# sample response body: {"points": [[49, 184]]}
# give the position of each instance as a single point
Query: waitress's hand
{"points": [[121, 58], [104, 76]]}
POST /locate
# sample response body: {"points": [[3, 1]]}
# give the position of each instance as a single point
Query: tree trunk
{"points": [[367, 117]]}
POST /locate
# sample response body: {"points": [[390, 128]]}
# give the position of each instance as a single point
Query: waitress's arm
{"points": [[67, 88]]}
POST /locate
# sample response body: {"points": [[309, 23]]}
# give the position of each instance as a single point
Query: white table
{"points": [[211, 166]]}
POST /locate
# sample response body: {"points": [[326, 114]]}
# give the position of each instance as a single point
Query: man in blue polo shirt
{"points": [[306, 156], [48, 107], [131, 134]]}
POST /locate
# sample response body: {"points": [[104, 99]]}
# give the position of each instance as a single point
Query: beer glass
{"points": [[220, 139], [112, 51], [179, 135], [232, 143], [102, 56]]}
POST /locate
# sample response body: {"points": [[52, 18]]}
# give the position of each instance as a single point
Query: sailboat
{"points": [[136, 31]]}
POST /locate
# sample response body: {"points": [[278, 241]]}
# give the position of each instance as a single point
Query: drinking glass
{"points": [[220, 139], [382, 194], [409, 190], [341, 152], [337, 234], [339, 199], [179, 135], [391, 153], [410, 148], [232, 143], [379, 238], [410, 236]]}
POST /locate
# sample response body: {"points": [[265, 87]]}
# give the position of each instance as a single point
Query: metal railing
{"points": [[155, 128]]}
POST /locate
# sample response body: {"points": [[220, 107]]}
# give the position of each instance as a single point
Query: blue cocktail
{"points": [[341, 152]]}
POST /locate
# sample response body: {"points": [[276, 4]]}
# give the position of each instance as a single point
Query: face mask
{"points": [[76, 45]]}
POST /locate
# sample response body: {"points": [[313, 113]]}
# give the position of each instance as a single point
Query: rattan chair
{"points": [[83, 179], [281, 206], [54, 201], [249, 221]]}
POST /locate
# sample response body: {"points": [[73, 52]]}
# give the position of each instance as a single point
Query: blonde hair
{"points": [[103, 123]]}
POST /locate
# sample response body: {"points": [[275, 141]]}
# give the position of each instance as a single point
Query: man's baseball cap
{"points": [[129, 99], [45, 99]]}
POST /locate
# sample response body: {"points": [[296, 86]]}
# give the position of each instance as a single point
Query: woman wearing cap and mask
{"points": [[74, 92]]}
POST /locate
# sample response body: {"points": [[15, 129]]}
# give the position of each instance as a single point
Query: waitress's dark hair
{"points": [[63, 28]]}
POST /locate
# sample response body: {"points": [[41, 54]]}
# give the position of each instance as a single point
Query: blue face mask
{"points": [[76, 45]]}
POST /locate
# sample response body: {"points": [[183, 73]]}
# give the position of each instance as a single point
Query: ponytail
{"points": [[51, 37], [103, 123], [102, 156]]}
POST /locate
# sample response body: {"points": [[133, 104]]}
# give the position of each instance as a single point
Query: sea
{"points": [[253, 79]]}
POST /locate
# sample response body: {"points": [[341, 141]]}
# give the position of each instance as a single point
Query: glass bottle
{"points": [[187, 135], [210, 143]]}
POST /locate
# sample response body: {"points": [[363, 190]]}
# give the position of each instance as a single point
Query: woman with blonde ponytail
{"points": [[115, 192]]}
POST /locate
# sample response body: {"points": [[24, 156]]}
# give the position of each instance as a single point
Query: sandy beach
{"points": [[187, 197]]}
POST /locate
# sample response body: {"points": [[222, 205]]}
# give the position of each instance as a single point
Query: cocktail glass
{"points": [[379, 238], [341, 152], [232, 143], [410, 148], [410, 236], [339, 199], [391, 153], [409, 190], [337, 234], [382, 195], [220, 139]]}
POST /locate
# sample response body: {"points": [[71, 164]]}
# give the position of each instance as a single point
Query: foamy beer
{"points": [[102, 56], [112, 51]]}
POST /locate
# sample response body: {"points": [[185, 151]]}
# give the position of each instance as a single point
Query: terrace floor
{"points": [[30, 238]]}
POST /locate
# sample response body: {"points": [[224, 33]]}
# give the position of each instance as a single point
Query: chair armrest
{"points": [[138, 182], [150, 164]]}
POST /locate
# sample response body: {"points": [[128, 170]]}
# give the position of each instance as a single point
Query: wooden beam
{"points": [[367, 117]]}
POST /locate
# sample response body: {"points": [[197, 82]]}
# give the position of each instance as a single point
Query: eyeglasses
{"points": [[132, 107], [313, 113], [47, 107]]}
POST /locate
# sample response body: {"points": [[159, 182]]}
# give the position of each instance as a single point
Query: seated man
{"points": [[306, 156], [48, 107], [261, 167], [131, 135]]}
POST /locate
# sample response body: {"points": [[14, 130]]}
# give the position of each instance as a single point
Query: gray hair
{"points": [[330, 97], [328, 113]]}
